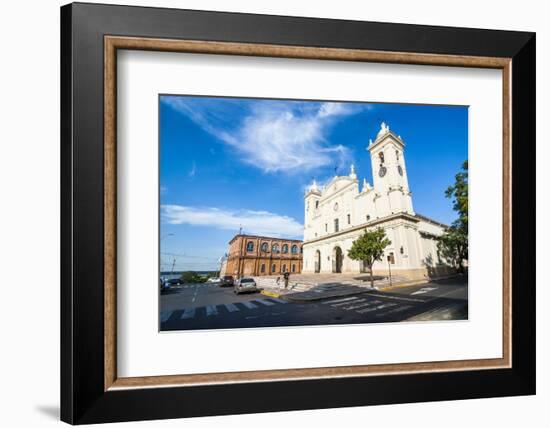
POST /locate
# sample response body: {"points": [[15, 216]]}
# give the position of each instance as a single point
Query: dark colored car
{"points": [[174, 281], [227, 281]]}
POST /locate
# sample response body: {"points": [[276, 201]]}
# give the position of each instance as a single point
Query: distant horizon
{"points": [[231, 163]]}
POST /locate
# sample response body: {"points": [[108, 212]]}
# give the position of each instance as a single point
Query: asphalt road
{"points": [[205, 306]]}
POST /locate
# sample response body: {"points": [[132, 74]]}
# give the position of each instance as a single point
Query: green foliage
{"points": [[192, 277], [369, 248], [459, 193], [453, 245]]}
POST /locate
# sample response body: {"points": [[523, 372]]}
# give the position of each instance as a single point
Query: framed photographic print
{"points": [[273, 213]]}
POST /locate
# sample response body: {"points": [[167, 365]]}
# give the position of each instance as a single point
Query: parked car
{"points": [[174, 281], [245, 285], [227, 281], [214, 280]]}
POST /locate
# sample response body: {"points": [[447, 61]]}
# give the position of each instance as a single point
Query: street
{"points": [[208, 306]]}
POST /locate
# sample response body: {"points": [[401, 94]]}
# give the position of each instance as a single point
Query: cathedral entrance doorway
{"points": [[317, 261], [337, 260]]}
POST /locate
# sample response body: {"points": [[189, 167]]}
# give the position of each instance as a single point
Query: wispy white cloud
{"points": [[193, 170], [275, 136], [255, 222]]}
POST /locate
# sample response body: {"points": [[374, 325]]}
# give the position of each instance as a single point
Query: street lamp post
{"points": [[389, 268]]}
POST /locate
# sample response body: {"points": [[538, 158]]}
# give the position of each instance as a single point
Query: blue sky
{"points": [[227, 163]]}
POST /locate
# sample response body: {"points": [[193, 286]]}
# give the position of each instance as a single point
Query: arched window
{"points": [[273, 268], [250, 246], [262, 268], [285, 248], [264, 247], [294, 249], [293, 268], [275, 248], [381, 156], [284, 268]]}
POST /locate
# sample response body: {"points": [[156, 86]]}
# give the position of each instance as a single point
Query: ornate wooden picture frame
{"points": [[91, 390]]}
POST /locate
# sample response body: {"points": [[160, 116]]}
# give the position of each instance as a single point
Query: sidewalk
{"points": [[328, 290]]}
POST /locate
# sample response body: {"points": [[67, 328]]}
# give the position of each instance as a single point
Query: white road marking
{"points": [[188, 313], [361, 305], [231, 307], [165, 315], [328, 302], [249, 305], [406, 299], [347, 303], [284, 302], [375, 308], [265, 302], [211, 310], [424, 290]]}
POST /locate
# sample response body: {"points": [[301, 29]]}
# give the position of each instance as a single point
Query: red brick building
{"points": [[261, 255]]}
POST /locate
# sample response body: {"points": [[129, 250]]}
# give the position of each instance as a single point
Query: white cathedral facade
{"points": [[339, 213]]}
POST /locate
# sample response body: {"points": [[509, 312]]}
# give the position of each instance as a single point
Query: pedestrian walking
{"points": [[286, 276]]}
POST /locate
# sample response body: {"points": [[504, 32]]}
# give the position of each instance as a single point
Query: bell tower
{"points": [[391, 184], [311, 210]]}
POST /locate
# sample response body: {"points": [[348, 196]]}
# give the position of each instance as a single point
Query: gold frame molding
{"points": [[113, 43]]}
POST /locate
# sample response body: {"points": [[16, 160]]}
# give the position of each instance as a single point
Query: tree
{"points": [[190, 277], [369, 248], [453, 244]]}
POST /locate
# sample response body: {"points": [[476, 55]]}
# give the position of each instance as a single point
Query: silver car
{"points": [[245, 285]]}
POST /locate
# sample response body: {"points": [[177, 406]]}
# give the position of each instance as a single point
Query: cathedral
{"points": [[338, 213]]}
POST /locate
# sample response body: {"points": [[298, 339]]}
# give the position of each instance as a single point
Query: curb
{"points": [[404, 284], [271, 294], [415, 282], [298, 298]]}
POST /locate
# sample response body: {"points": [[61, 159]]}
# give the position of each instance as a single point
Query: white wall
{"points": [[29, 232]]}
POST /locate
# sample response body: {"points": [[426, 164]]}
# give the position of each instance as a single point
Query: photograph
{"points": [[265, 213], [284, 212]]}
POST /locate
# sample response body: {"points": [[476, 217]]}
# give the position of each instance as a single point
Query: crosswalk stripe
{"points": [[284, 302], [249, 305], [231, 307], [347, 303], [165, 315], [361, 304], [405, 299], [328, 302], [211, 310], [265, 302], [376, 308], [188, 313]]}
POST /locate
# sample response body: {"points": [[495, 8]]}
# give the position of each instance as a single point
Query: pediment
{"points": [[337, 184]]}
